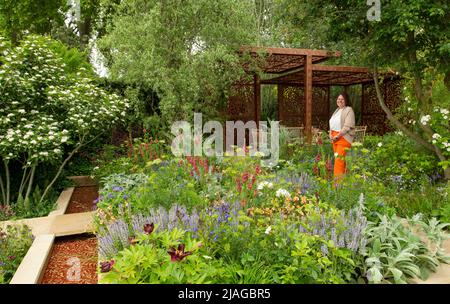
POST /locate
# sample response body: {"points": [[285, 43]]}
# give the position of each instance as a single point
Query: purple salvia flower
{"points": [[324, 249]]}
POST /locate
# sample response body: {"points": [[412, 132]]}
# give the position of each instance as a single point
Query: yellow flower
{"points": [[304, 200], [295, 199]]}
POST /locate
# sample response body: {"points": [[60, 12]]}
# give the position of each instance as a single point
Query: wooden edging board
{"points": [[45, 229], [32, 267]]}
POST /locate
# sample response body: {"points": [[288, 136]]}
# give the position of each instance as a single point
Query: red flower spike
{"points": [[318, 158], [176, 255], [245, 176], [319, 141], [148, 228], [238, 185], [316, 170], [258, 170]]}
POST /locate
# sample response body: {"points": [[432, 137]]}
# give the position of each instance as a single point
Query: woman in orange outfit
{"points": [[342, 132]]}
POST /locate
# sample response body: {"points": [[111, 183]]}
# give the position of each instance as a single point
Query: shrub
{"points": [[45, 110], [397, 161], [14, 244]]}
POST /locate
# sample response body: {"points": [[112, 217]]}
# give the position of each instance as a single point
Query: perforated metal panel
{"points": [[372, 114]]}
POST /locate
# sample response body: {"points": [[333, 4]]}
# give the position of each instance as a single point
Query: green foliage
{"points": [[149, 262], [189, 63], [397, 161], [14, 244], [416, 32], [150, 191], [396, 254], [73, 59], [275, 246], [36, 17], [47, 108]]}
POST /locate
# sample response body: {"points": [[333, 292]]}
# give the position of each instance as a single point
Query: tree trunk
{"points": [[8, 182], [447, 80], [59, 172], [2, 188], [23, 181], [30, 185], [415, 137], [77, 148]]}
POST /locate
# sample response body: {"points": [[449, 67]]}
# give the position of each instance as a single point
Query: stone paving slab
{"points": [[38, 225], [442, 275], [63, 202], [70, 224], [59, 225]]}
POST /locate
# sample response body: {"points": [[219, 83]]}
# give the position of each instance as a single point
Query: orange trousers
{"points": [[339, 147]]}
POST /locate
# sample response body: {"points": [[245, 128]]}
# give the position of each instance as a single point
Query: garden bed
{"points": [[62, 237]]}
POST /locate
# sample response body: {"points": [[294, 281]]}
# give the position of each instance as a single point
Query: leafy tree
{"points": [[185, 51], [412, 37], [45, 107], [28, 15]]}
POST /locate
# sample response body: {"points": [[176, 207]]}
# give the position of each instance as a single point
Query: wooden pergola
{"points": [[304, 87]]}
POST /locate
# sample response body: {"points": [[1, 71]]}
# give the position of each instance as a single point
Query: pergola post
{"points": [[257, 104], [308, 98], [257, 95]]}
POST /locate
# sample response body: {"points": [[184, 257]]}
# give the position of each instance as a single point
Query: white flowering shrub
{"points": [[44, 109], [434, 118]]}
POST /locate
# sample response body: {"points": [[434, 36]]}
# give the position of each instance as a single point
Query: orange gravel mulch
{"points": [[82, 199], [73, 260]]}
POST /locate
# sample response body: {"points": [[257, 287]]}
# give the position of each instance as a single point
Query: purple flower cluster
{"points": [[302, 181], [347, 232], [119, 234], [175, 217], [224, 213], [115, 238]]}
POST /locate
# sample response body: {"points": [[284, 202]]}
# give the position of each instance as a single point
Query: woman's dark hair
{"points": [[346, 99]]}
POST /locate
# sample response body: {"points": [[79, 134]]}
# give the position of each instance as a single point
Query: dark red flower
{"points": [[318, 158], [319, 141], [148, 228], [106, 266], [11, 257], [176, 255]]}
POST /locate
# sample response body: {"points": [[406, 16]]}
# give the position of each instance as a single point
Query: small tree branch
{"points": [[23, 181], [30, 185], [60, 169], [394, 120]]}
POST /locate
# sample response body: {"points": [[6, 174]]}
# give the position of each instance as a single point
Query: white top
{"points": [[335, 121]]}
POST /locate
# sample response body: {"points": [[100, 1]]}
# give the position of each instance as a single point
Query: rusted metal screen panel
{"points": [[291, 106], [321, 107], [241, 103], [372, 115]]}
